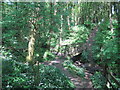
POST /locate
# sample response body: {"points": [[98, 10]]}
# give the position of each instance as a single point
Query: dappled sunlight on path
{"points": [[78, 81]]}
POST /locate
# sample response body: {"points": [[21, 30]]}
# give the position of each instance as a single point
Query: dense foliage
{"points": [[19, 75], [35, 32]]}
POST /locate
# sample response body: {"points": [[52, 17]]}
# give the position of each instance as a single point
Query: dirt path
{"points": [[78, 82]]}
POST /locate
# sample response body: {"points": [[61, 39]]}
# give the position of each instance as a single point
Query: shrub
{"points": [[98, 80], [78, 71]]}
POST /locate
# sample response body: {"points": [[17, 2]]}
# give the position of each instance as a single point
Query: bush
{"points": [[51, 77], [48, 56], [98, 80], [18, 77], [15, 76], [74, 69]]}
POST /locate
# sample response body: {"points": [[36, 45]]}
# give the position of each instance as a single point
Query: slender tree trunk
{"points": [[68, 21], [105, 75], [60, 36], [110, 16], [31, 44]]}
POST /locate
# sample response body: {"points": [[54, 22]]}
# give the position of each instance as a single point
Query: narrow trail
{"points": [[78, 82]]}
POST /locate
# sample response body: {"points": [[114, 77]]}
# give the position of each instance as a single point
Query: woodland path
{"points": [[78, 82]]}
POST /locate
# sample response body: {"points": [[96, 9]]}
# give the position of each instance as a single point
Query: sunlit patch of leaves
{"points": [[48, 56]]}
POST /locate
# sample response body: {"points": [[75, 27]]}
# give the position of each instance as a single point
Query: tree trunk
{"points": [[31, 44], [105, 74], [110, 16]]}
